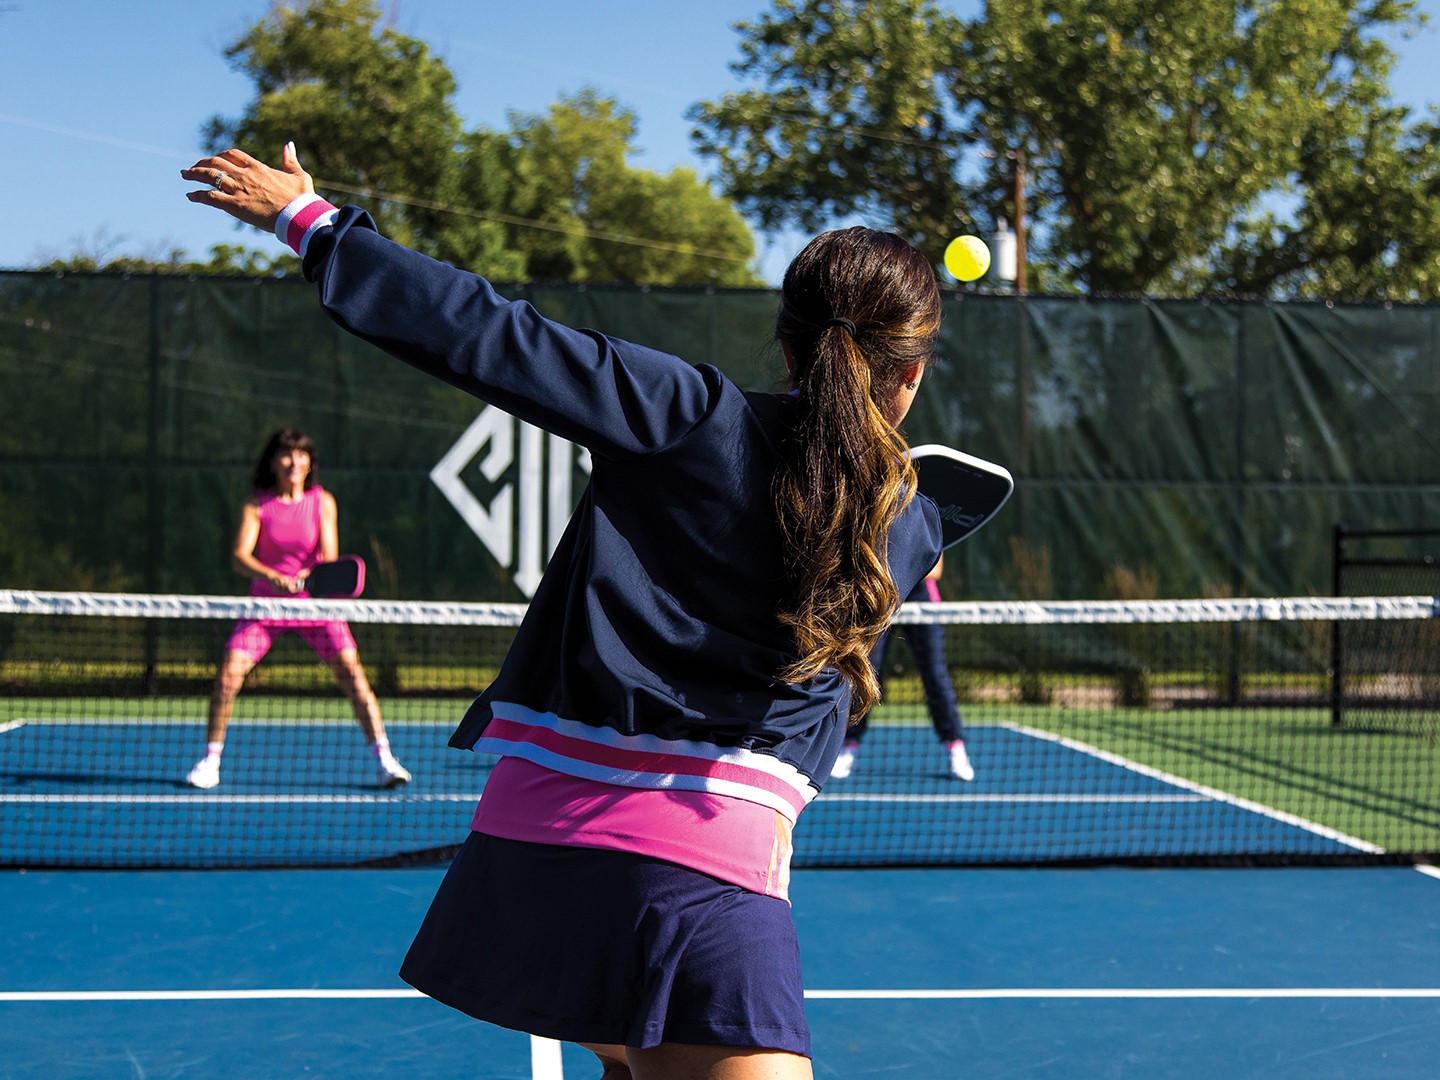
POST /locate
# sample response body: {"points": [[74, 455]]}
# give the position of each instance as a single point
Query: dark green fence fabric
{"points": [[1166, 448]]}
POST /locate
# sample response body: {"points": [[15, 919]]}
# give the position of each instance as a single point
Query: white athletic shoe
{"points": [[845, 763], [205, 774], [392, 773], [960, 766]]}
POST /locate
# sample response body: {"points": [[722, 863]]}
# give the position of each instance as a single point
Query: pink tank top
{"points": [[289, 536]]}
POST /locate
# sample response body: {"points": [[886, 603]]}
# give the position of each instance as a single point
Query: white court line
{"points": [[545, 1059], [208, 995], [1124, 993], [1042, 993], [1428, 871], [11, 725], [1013, 798], [205, 799], [1200, 789], [255, 723], [200, 799]]}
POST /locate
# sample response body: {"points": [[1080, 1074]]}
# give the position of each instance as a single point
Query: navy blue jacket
{"points": [[657, 613]]}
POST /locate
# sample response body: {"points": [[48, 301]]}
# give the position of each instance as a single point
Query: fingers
{"points": [[215, 171], [210, 163], [200, 172], [290, 162], [234, 156], [231, 161], [209, 170], [221, 161], [247, 188], [214, 177]]}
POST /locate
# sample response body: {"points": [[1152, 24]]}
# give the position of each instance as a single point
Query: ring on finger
{"points": [[219, 179]]}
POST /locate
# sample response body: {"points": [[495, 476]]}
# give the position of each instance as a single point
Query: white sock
{"points": [[214, 750]]}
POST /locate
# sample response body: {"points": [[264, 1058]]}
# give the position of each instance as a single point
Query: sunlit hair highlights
{"points": [[262, 478], [845, 476]]}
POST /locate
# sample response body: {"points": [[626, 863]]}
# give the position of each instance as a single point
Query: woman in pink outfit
{"points": [[286, 527]]}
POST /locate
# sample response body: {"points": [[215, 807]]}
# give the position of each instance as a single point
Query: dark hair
{"points": [[263, 477], [858, 310]]}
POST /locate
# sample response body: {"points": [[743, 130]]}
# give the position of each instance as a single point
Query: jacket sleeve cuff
{"points": [[300, 219]]}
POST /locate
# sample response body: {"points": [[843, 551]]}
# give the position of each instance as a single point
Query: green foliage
{"points": [[607, 222], [368, 108], [225, 260], [1156, 131], [1369, 228], [853, 118], [553, 199], [1170, 147]]}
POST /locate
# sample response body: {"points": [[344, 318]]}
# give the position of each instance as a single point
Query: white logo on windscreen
{"points": [[523, 521]]}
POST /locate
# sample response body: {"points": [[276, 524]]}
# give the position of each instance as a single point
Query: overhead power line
{"points": [[532, 223]]}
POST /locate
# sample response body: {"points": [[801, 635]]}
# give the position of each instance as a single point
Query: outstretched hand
{"points": [[246, 188]]}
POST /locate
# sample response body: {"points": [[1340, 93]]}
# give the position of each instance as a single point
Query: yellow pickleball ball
{"points": [[967, 257]]}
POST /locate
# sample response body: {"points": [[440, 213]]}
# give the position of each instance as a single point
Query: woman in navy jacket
{"points": [[682, 681]]}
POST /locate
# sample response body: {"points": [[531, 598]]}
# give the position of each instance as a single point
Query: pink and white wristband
{"points": [[300, 218]]}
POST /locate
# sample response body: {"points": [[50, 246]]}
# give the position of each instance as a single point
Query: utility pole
{"points": [[1017, 192]]}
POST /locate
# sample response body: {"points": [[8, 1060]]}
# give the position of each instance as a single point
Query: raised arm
{"points": [[610, 395]]}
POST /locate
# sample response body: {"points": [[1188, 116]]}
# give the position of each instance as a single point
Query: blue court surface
{"points": [[303, 794], [1208, 974]]}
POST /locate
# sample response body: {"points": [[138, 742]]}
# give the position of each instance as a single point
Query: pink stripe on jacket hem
{"points": [[725, 837], [622, 760]]}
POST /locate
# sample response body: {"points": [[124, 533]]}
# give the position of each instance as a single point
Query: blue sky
{"points": [[103, 101]]}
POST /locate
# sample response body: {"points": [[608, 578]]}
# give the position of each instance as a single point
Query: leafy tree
{"points": [[552, 199], [475, 235], [225, 260], [691, 238], [1157, 137], [369, 109], [1157, 131], [853, 118], [603, 221], [1369, 227]]}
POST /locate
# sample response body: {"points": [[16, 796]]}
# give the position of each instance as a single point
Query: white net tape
{"points": [[973, 613]]}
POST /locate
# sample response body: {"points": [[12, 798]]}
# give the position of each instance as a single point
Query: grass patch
{"points": [[1379, 782]]}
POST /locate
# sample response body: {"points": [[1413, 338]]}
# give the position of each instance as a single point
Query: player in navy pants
{"points": [[927, 644]]}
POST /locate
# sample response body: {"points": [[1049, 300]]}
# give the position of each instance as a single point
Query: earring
{"points": [[911, 385]]}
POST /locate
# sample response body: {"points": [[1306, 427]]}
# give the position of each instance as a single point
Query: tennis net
{"points": [[1138, 731]]}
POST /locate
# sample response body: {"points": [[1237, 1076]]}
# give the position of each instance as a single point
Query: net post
{"points": [[149, 679], [1337, 646]]}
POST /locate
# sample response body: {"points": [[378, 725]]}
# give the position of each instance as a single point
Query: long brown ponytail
{"points": [[859, 309]]}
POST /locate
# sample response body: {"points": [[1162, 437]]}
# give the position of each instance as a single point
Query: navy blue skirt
{"points": [[584, 945]]}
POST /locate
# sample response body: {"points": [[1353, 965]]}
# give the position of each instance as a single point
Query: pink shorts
{"points": [[253, 637]]}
